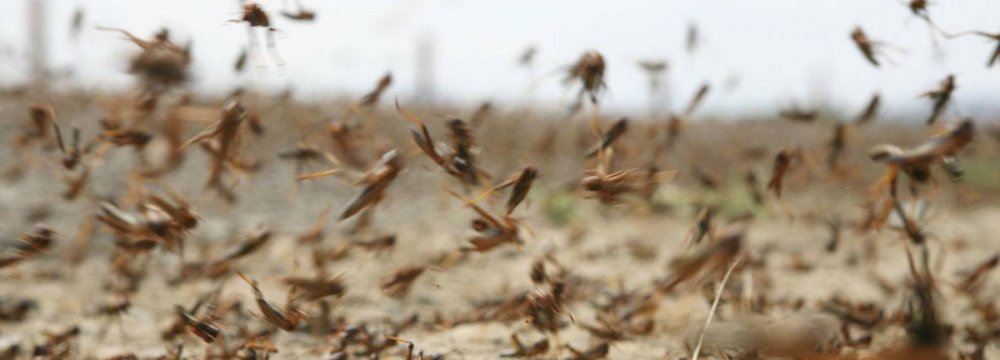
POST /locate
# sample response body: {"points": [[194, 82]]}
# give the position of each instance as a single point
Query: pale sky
{"points": [[777, 51]]}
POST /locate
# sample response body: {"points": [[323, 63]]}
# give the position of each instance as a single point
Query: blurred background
{"points": [[758, 55]]}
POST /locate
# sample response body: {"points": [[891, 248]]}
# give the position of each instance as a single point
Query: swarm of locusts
{"points": [[408, 234]]}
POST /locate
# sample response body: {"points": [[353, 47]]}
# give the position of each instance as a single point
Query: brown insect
{"points": [[316, 288], [76, 23], [29, 245], [538, 275], [115, 135], [916, 162], [527, 57], [344, 143], [608, 187], [241, 60], [56, 343], [179, 325], [995, 56], [399, 283], [544, 308], [714, 257], [919, 9], [176, 207], [202, 329], [493, 232], [941, 97], [866, 45], [376, 181], [798, 114], [609, 137], [256, 17], [521, 186], [539, 348], [482, 112], [316, 232], [589, 71], [114, 308], [870, 112], [706, 178], [250, 243], [153, 222], [371, 98], [16, 310], [37, 127], [75, 185], [972, 278], [463, 160], [599, 351], [835, 147], [71, 156], [781, 163], [703, 227], [833, 225], [696, 100], [287, 320], [225, 132], [379, 244], [457, 162], [910, 226], [676, 122], [302, 14], [161, 63], [303, 154]]}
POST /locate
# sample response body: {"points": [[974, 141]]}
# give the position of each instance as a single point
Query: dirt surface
{"points": [[603, 250]]}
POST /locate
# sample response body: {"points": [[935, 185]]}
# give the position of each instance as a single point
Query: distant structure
{"points": [[37, 43], [425, 69]]}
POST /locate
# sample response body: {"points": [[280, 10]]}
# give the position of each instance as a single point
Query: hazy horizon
{"points": [[749, 54]]}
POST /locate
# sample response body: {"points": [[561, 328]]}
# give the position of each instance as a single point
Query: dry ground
{"points": [[589, 239]]}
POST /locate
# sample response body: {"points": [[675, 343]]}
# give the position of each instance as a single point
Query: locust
{"points": [[781, 162], [375, 182], [161, 64], [204, 330], [609, 138], [835, 147], [521, 186], [676, 122], [301, 14], [316, 288], [527, 57], [29, 245], [711, 258], [870, 112], [916, 162], [398, 284], [589, 72], [458, 162], [255, 17], [797, 114], [599, 351], [493, 231], [941, 96], [371, 98], [539, 348], [703, 227], [225, 132], [865, 45], [287, 319]]}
